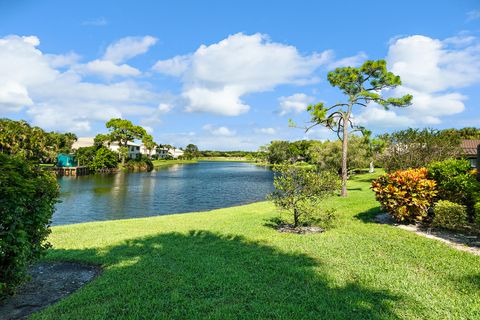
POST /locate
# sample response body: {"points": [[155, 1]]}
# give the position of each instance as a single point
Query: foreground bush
{"points": [[298, 191], [455, 181], [449, 215], [406, 195], [27, 199], [477, 213]]}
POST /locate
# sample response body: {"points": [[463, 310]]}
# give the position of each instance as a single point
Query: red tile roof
{"points": [[469, 147]]}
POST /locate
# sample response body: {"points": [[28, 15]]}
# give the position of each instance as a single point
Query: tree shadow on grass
{"points": [[205, 275], [369, 215]]}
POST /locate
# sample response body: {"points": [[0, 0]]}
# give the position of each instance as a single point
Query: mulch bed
{"points": [[460, 241], [299, 230], [50, 282]]}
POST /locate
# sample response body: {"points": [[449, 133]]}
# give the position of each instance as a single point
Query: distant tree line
{"points": [[410, 148]]}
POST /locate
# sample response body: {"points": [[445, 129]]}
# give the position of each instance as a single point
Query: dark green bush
{"points": [[477, 213], [449, 215], [97, 158], [142, 164], [455, 181], [27, 198]]}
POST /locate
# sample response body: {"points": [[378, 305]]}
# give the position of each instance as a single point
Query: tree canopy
{"points": [[362, 86]]}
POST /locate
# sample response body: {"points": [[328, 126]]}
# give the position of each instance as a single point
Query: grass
{"points": [[161, 163], [225, 159], [228, 264]]}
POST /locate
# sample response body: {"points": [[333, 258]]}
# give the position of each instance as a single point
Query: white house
{"points": [[164, 152], [133, 148]]}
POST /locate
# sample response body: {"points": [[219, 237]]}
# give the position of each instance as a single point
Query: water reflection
{"points": [[173, 189]]}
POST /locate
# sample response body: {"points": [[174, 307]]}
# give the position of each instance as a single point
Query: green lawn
{"points": [[161, 163], [224, 159], [228, 264]]}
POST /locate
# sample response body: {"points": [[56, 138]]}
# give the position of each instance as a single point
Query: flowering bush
{"points": [[406, 194]]}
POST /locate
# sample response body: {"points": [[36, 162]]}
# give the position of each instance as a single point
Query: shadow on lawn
{"points": [[207, 275], [369, 215]]}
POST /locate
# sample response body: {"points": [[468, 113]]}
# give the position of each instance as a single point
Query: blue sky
{"points": [[227, 75]]}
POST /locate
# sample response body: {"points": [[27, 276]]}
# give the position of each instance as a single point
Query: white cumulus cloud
{"points": [[295, 103], [108, 69], [62, 100], [265, 130], [128, 47], [432, 71], [218, 131], [216, 77]]}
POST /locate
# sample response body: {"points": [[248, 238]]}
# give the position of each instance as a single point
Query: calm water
{"points": [[174, 189]]}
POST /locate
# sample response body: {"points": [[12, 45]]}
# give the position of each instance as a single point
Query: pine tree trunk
{"points": [[295, 218], [344, 157]]}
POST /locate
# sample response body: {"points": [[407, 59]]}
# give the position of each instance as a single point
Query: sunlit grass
{"points": [[228, 264], [161, 163]]}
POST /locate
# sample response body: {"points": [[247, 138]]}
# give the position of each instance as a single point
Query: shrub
{"points": [[477, 213], [97, 158], [406, 195], [299, 189], [27, 199], [142, 164], [449, 215], [455, 181], [104, 159]]}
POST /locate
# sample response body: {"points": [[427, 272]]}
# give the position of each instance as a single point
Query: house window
{"points": [[473, 162]]}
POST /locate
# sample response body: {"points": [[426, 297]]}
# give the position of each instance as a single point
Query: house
{"points": [[145, 151], [83, 142], [133, 148], [172, 152], [470, 151]]}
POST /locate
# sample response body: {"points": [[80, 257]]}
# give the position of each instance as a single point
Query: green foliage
{"points": [[278, 152], [97, 158], [362, 86], [124, 131], [405, 195], [191, 152], [414, 148], [32, 143], [104, 159], [449, 215], [141, 164], [476, 208], [455, 181], [149, 144], [297, 188], [328, 155], [27, 198], [468, 133], [101, 139]]}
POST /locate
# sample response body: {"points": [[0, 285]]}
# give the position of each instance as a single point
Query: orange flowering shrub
{"points": [[405, 194]]}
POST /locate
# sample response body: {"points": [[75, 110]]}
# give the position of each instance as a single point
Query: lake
{"points": [[174, 189]]}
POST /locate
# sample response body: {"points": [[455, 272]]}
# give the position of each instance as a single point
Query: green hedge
{"points": [[449, 215], [27, 198], [455, 181]]}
